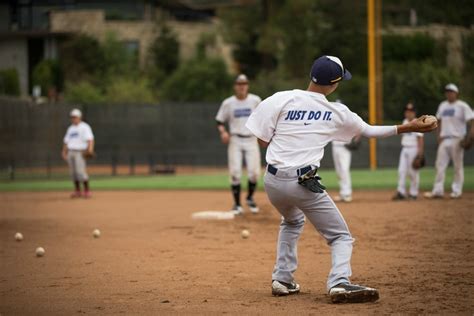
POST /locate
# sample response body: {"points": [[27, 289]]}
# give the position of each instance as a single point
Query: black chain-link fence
{"points": [[138, 135]]}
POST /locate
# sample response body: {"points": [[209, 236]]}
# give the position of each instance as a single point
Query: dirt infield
{"points": [[153, 258]]}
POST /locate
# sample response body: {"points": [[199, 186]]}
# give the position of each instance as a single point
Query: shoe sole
{"points": [[290, 292], [254, 210], [364, 296]]}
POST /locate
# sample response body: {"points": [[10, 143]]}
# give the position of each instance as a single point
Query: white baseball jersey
{"points": [[235, 112], [454, 117], [306, 122], [77, 136], [410, 139]]}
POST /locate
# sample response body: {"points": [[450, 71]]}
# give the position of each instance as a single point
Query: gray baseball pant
{"points": [[294, 202], [77, 165]]}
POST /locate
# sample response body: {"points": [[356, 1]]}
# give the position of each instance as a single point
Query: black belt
{"points": [[299, 172], [242, 136]]}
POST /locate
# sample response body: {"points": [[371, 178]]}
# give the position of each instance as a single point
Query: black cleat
{"points": [[252, 206], [399, 197], [352, 293], [282, 289]]}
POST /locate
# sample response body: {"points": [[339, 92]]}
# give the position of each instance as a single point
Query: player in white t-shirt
{"points": [[412, 147], [235, 111], [453, 115], [295, 126], [78, 141]]}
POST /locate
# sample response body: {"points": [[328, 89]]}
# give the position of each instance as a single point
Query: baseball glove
{"points": [[466, 143], [310, 180], [418, 162], [88, 155], [353, 145]]}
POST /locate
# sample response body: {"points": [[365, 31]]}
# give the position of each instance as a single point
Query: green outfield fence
{"points": [[152, 136]]}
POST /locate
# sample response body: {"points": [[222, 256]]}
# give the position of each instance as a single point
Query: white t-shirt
{"points": [[235, 112], [454, 117], [77, 136], [299, 125], [410, 139]]}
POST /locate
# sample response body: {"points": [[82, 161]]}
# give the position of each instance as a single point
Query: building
{"points": [[31, 30]]}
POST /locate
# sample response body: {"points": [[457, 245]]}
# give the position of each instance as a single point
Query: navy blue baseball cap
{"points": [[328, 70]]}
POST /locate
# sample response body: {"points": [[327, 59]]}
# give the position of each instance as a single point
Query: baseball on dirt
{"points": [[18, 236], [430, 119], [245, 234], [96, 233], [40, 251]]}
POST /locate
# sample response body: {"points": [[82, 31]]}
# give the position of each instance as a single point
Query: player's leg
{"points": [[74, 175], [442, 161], [346, 184], [252, 158], [82, 173], [402, 172], [337, 164], [413, 173], [457, 154], [234, 155], [291, 226], [328, 221]]}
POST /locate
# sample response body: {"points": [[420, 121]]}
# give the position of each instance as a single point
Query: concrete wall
{"points": [[14, 54]]}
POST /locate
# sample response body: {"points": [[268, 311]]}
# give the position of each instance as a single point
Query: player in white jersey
{"points": [[295, 126], [235, 111], [78, 141], [412, 147], [454, 115]]}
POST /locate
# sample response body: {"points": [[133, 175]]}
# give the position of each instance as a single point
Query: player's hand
{"points": [[423, 124], [64, 155], [225, 137]]}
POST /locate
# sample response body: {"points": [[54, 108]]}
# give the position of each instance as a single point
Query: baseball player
{"points": [[295, 126], [412, 147], [453, 137], [235, 111], [342, 155], [78, 143]]}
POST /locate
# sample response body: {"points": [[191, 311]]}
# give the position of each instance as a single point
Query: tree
{"points": [[83, 59], [165, 51], [198, 80]]}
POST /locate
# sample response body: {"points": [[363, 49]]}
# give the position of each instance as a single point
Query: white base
{"points": [[213, 215]]}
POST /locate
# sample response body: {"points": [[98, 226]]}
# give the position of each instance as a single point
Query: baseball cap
{"points": [[451, 87], [327, 70], [410, 107], [241, 79], [75, 113]]}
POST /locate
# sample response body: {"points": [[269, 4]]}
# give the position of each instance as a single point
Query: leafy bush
{"points": [[47, 74], [414, 47], [125, 90], [9, 82], [117, 60], [83, 93], [198, 80]]}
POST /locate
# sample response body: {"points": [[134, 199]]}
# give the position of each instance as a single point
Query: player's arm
{"points": [[421, 145], [438, 132], [64, 151], [263, 143], [225, 137], [90, 146]]}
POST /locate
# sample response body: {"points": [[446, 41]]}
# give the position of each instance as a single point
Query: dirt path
{"points": [[153, 258]]}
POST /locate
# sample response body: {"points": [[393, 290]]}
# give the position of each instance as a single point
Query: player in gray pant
{"points": [[78, 141], [295, 126], [235, 111]]}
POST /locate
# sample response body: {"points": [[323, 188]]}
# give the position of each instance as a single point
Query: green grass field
{"points": [[361, 179]]}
